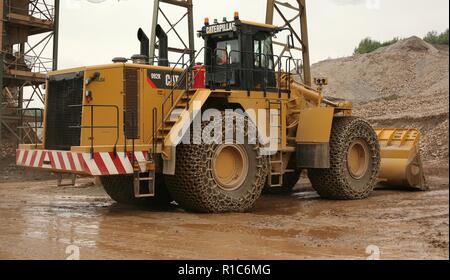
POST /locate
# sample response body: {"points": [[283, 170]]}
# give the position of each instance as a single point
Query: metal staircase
{"points": [[142, 190], [176, 104], [277, 164], [169, 119]]}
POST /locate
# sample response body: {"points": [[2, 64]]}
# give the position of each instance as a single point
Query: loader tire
{"points": [[355, 162], [219, 178], [121, 190]]}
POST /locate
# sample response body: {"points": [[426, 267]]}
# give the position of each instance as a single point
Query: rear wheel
{"points": [[219, 177], [355, 161], [121, 190]]}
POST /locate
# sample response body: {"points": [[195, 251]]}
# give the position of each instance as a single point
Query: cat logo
{"points": [[220, 28], [162, 79], [172, 81]]}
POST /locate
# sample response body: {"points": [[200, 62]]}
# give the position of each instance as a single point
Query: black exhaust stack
{"points": [[163, 59], [145, 42]]}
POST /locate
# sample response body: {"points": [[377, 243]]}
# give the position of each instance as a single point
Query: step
{"points": [[170, 122], [191, 94], [289, 150], [276, 186], [150, 187], [146, 179], [182, 105], [163, 132], [166, 128], [277, 162]]}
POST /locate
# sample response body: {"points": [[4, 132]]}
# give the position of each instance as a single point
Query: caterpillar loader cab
{"points": [[154, 134], [239, 55]]}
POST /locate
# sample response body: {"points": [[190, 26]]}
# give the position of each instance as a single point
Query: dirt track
{"points": [[38, 221]]}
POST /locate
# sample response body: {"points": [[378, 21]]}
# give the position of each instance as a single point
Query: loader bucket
{"points": [[401, 164]]}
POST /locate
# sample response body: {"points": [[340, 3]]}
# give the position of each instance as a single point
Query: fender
{"points": [[313, 137]]}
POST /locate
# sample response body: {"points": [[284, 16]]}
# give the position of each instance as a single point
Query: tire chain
{"points": [[333, 183], [194, 186]]}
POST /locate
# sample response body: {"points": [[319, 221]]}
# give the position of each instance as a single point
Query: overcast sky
{"points": [[94, 33]]}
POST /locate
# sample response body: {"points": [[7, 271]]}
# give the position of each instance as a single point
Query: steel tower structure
{"points": [[29, 32]]}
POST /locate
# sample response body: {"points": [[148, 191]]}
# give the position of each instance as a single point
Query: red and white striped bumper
{"points": [[102, 164]]}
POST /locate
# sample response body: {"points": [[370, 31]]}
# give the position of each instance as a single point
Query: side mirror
{"points": [[290, 41], [298, 66]]}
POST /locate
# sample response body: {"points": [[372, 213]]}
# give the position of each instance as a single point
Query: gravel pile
{"points": [[405, 85], [408, 68], [429, 114]]}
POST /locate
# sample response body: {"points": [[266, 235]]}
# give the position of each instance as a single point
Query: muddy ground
{"points": [[40, 221]]}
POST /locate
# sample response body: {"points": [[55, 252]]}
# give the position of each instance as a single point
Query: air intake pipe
{"points": [[163, 59], [145, 42]]}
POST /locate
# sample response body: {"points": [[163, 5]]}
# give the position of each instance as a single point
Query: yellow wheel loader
{"points": [[213, 136]]}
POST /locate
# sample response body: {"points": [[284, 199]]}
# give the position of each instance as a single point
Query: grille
{"points": [[63, 91], [131, 86]]}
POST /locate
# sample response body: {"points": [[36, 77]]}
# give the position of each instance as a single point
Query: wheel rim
{"points": [[230, 166], [358, 159]]}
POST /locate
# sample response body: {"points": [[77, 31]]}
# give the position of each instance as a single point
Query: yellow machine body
{"points": [[306, 117], [137, 108]]}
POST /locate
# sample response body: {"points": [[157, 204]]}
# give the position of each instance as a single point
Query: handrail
{"points": [[266, 71], [40, 10], [92, 127], [154, 132], [34, 64], [182, 79]]}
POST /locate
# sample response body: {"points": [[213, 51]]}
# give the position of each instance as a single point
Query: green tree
{"points": [[433, 37], [367, 45]]}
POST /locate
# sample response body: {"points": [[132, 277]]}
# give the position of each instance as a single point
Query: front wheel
{"points": [[355, 161], [219, 178]]}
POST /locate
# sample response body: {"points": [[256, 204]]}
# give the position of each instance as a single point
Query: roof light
{"points": [[236, 15], [206, 21]]}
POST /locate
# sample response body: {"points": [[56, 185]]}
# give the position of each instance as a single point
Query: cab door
{"points": [[263, 62]]}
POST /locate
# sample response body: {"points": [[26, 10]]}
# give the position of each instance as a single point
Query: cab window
{"points": [[227, 52], [264, 53]]}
